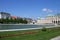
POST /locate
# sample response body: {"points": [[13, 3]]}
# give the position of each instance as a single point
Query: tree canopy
{"points": [[13, 21]]}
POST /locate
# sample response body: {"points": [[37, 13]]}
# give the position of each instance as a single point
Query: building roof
{"points": [[13, 17], [4, 13]]}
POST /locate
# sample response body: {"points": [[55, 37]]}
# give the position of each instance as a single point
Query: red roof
{"points": [[13, 16]]}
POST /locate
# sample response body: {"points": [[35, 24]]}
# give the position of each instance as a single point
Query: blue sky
{"points": [[30, 8]]}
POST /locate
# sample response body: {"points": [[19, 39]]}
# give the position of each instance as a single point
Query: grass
{"points": [[40, 35]]}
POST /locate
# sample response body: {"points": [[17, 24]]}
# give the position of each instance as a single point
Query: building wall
{"points": [[43, 21], [4, 15], [0, 16], [49, 19]]}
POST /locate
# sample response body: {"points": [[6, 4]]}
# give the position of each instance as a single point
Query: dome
{"points": [[38, 18], [50, 15]]}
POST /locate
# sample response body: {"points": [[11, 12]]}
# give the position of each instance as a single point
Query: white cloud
{"points": [[44, 9], [47, 10], [57, 11]]}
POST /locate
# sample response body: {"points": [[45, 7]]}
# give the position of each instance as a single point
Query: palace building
{"points": [[49, 20]]}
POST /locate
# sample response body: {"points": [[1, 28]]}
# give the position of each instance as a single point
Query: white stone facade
{"points": [[49, 20]]}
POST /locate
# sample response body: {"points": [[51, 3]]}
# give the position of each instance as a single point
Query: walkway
{"points": [[56, 38]]}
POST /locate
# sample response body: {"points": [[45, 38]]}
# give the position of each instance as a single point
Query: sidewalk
{"points": [[56, 38]]}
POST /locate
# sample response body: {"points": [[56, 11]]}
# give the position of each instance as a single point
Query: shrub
{"points": [[44, 29]]}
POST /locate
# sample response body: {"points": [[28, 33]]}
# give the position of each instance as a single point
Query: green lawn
{"points": [[40, 35]]}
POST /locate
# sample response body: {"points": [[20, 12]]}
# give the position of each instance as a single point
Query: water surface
{"points": [[5, 27]]}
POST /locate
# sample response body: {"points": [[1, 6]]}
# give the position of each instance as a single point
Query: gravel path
{"points": [[56, 38]]}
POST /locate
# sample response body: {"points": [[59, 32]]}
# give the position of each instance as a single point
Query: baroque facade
{"points": [[49, 20]]}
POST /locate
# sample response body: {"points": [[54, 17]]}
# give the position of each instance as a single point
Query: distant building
{"points": [[49, 20], [4, 15], [13, 17], [29, 20], [56, 19]]}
